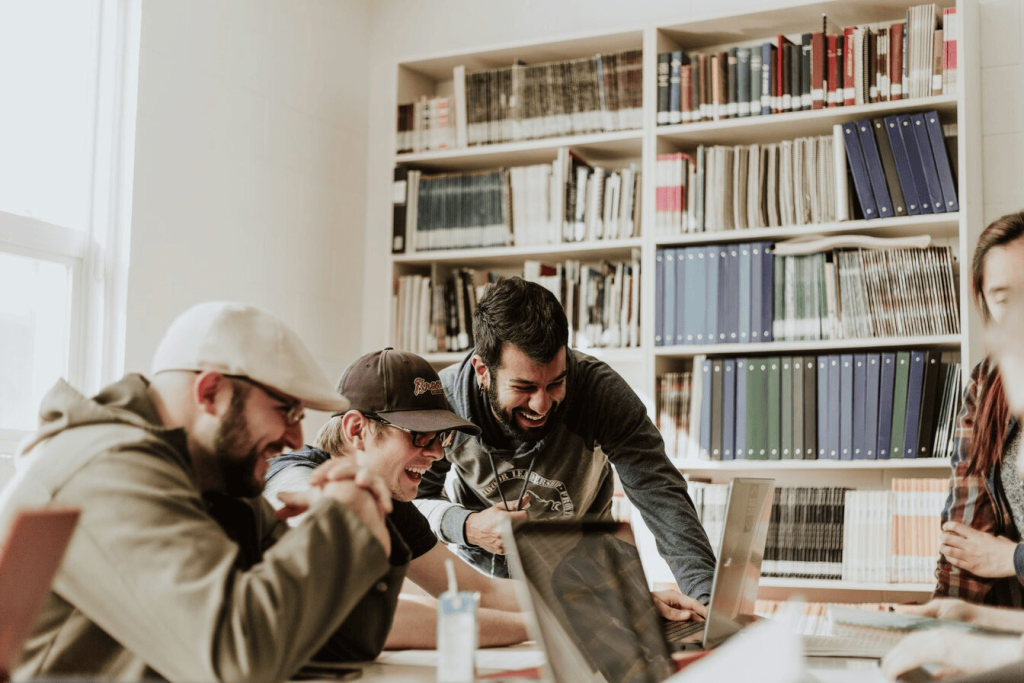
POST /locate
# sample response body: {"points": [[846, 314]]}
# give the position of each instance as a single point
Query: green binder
{"points": [[899, 404]]}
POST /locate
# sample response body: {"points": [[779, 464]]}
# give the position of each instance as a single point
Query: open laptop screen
{"points": [[591, 596]]}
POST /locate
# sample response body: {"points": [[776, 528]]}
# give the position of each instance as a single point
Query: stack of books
{"points": [[869, 63], [851, 406]]}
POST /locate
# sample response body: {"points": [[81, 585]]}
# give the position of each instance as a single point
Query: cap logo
{"points": [[422, 386]]}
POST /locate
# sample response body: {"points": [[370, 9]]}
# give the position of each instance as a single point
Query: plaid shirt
{"points": [[978, 502]]}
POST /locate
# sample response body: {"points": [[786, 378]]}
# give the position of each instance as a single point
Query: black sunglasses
{"points": [[419, 439]]}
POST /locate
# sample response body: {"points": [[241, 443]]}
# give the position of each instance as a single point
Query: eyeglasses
{"points": [[419, 439], [294, 410]]}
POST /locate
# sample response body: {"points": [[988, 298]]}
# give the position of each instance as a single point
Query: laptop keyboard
{"points": [[848, 646], [676, 631]]}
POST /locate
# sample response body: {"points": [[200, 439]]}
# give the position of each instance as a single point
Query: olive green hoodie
{"points": [[161, 580]]}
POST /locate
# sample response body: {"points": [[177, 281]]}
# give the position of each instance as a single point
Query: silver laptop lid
{"points": [[738, 571]]}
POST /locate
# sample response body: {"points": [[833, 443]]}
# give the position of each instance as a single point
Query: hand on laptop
{"points": [[483, 528], [676, 606]]}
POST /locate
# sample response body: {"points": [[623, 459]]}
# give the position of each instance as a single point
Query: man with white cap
{"points": [[397, 426], [179, 569]]}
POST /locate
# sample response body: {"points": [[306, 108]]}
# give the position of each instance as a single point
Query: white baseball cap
{"points": [[238, 339]]}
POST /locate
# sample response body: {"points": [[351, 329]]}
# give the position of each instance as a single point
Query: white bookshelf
{"points": [[432, 75]]}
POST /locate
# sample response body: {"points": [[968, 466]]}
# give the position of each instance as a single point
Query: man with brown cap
{"points": [[397, 426], [178, 568]]}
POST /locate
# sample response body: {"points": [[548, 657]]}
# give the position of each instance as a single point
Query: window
{"points": [[68, 74]]}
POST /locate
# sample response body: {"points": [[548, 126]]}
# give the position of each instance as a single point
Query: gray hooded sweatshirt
{"points": [[600, 423]]}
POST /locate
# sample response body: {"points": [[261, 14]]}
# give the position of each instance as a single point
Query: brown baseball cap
{"points": [[402, 388]]}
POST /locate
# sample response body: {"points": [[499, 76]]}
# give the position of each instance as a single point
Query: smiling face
{"points": [[254, 429], [523, 395], [391, 455]]}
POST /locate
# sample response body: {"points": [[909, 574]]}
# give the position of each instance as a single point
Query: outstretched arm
{"points": [[415, 628]]}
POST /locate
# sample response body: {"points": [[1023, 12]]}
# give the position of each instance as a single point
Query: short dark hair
{"points": [[522, 314]]}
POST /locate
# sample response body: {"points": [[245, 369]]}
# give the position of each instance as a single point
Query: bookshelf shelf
{"points": [[438, 76], [786, 347], [826, 584], [505, 256], [765, 466], [596, 147], [777, 127], [942, 228]]}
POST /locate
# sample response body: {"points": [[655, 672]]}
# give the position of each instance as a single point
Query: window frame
{"points": [[97, 257]]}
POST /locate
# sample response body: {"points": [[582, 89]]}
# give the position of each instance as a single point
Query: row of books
{"points": [[744, 292], [864, 536], [900, 165], [568, 200], [601, 302], [861, 293], [425, 125], [436, 316], [851, 406], [872, 63], [528, 101], [893, 536], [792, 182]]}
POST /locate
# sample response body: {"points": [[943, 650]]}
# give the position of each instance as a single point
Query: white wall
{"points": [[250, 163], [403, 30]]}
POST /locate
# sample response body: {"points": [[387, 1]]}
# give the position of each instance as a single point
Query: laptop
{"points": [[595, 617], [29, 559]]}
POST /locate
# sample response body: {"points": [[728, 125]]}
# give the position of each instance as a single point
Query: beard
{"points": [[507, 418], [235, 457]]}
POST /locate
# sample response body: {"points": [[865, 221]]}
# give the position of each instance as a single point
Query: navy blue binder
{"points": [[756, 298], [871, 393], [835, 387], [941, 157], [859, 171], [728, 409], [717, 402], [659, 297], [743, 308], [876, 174], [894, 131], [823, 411], [696, 295], [846, 406], [913, 421], [925, 177], [728, 294], [887, 378], [740, 420], [711, 266], [860, 378]]}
